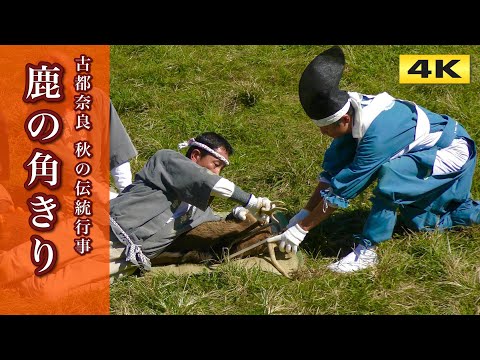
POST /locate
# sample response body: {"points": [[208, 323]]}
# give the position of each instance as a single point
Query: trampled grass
{"points": [[168, 93]]}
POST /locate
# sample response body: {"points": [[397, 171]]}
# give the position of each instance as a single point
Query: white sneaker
{"points": [[359, 259]]}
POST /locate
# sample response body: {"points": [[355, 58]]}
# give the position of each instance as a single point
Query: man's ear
{"points": [[347, 119], [195, 155]]}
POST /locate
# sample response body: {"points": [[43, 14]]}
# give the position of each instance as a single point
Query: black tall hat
{"points": [[318, 89]]}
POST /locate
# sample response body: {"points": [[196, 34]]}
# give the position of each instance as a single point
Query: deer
{"points": [[225, 240]]}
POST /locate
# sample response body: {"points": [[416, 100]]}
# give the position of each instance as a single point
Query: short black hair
{"points": [[213, 141], [351, 112]]}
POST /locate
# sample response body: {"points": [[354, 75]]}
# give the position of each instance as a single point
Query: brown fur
{"points": [[212, 241]]}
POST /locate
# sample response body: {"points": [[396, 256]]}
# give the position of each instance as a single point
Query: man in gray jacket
{"points": [[170, 196]]}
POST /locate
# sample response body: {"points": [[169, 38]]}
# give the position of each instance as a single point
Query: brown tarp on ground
{"points": [[289, 262]]}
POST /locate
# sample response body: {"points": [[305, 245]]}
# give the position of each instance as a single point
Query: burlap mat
{"points": [[289, 262]]}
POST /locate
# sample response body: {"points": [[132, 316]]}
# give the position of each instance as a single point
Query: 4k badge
{"points": [[434, 69]]}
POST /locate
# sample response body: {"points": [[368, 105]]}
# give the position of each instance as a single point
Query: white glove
{"points": [[240, 213], [302, 214], [290, 239], [257, 205]]}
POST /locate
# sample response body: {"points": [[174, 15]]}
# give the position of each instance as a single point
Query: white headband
{"points": [[192, 142], [332, 118]]}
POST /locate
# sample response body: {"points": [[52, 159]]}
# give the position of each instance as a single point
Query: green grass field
{"points": [[168, 93]]}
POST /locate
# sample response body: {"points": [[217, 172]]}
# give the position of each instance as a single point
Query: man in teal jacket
{"points": [[424, 163]]}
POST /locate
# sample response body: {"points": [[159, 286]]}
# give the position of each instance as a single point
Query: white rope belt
{"points": [[133, 251]]}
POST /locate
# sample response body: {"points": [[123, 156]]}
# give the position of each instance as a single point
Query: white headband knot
{"points": [[192, 142]]}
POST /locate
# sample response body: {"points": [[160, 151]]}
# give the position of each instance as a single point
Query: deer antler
{"points": [[271, 252], [277, 206]]}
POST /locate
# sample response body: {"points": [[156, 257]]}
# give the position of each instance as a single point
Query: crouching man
{"points": [[153, 219]]}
